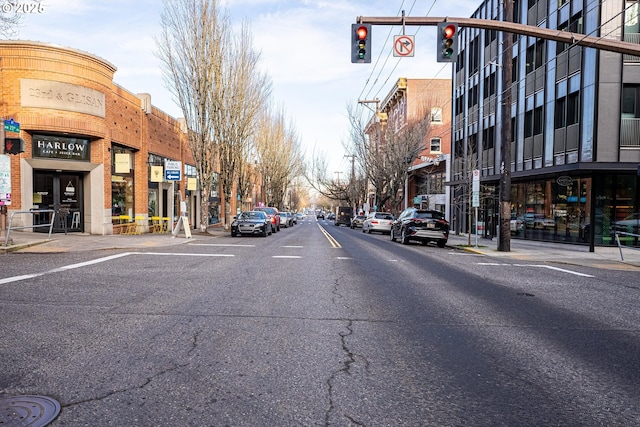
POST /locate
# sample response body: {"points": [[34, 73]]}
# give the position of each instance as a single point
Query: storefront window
{"points": [[617, 210], [552, 210], [122, 183]]}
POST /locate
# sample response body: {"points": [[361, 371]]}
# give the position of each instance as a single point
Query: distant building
{"points": [[407, 100], [575, 124]]}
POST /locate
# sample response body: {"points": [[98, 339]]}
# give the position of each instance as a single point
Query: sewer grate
{"points": [[31, 411]]}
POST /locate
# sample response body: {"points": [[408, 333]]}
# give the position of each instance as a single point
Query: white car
{"points": [[378, 221], [516, 224]]}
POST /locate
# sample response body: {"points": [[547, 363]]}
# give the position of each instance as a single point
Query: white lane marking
{"points": [[343, 257], [86, 263], [550, 267], [99, 260], [286, 256], [172, 254], [18, 278], [293, 246], [223, 245]]}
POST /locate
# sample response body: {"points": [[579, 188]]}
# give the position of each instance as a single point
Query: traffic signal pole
{"points": [[504, 237]]}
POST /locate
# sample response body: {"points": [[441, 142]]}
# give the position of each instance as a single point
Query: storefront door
{"points": [[61, 192]]}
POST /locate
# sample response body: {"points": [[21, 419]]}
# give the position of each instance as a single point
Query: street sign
{"points": [[172, 175], [172, 170], [403, 46], [11, 126], [475, 189]]}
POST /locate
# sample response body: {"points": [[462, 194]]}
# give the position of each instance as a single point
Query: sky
{"points": [[304, 46]]}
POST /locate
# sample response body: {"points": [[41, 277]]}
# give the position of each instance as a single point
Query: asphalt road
{"points": [[318, 325]]}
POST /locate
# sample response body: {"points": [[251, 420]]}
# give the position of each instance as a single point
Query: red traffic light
{"points": [[447, 41], [449, 31], [362, 32]]}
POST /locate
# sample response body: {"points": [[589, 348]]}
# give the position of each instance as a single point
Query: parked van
{"points": [[344, 214]]}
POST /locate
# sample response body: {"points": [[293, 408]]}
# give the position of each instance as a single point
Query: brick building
{"points": [[408, 100], [93, 150]]}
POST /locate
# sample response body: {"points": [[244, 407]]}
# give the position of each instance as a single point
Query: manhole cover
{"points": [[32, 411]]}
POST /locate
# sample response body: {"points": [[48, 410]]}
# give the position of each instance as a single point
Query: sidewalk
{"points": [[30, 242], [521, 250], [528, 251]]}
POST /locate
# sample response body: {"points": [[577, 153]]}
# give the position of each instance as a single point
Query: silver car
{"points": [[378, 221]]}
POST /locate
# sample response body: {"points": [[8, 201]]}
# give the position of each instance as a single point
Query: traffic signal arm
{"points": [[600, 43]]}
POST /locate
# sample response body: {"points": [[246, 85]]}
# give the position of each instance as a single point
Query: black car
{"points": [[319, 215], [422, 225], [251, 222]]}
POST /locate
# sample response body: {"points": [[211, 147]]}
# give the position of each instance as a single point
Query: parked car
{"points": [[378, 221], [422, 225], [286, 219], [251, 222], [343, 216], [631, 224], [300, 217], [357, 221], [516, 224], [273, 214], [331, 216], [532, 220]]}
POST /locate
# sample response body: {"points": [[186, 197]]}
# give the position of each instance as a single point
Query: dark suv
{"points": [[422, 225], [273, 214]]}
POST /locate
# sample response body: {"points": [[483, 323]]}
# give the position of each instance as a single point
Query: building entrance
{"points": [[62, 192]]}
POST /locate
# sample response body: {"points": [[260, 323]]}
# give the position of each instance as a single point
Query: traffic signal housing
{"points": [[361, 43], [447, 49], [13, 145]]}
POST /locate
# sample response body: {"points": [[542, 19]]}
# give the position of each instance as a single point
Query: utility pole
{"points": [[504, 239], [352, 188], [353, 162], [338, 173]]}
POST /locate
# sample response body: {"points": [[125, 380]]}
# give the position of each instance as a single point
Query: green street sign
{"points": [[11, 126]]}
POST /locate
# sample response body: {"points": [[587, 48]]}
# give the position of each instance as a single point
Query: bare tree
{"points": [[12, 14], [350, 191], [385, 153], [191, 49], [279, 154], [213, 75], [241, 96]]}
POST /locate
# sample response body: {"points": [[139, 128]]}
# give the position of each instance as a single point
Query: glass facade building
{"points": [[575, 124]]}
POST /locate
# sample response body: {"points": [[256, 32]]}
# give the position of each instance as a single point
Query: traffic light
{"points": [[447, 49], [361, 43], [13, 145]]}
